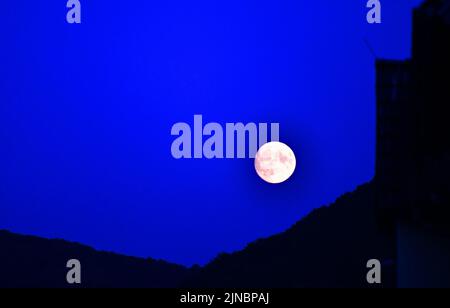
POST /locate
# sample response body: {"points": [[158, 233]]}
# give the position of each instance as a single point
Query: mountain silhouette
{"points": [[28, 261], [330, 247]]}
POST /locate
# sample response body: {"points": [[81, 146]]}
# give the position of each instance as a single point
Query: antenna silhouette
{"points": [[372, 52]]}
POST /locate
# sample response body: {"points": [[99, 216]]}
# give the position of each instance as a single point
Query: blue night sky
{"points": [[86, 112]]}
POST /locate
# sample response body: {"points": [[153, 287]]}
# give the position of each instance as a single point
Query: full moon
{"points": [[275, 162]]}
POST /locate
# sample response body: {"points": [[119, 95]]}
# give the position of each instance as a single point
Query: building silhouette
{"points": [[413, 150]]}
